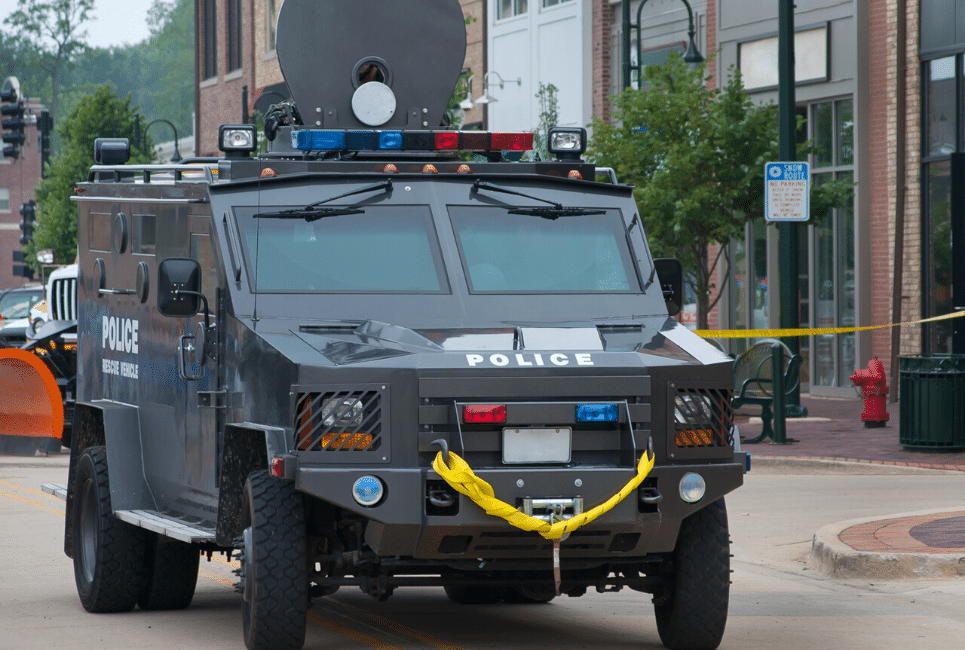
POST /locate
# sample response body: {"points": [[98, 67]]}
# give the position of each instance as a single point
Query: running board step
{"points": [[167, 525], [157, 522], [59, 490]]}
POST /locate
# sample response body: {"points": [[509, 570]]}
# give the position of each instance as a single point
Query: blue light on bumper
{"points": [[597, 412]]}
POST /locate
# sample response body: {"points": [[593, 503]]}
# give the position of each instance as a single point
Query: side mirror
{"points": [[670, 275], [179, 287]]}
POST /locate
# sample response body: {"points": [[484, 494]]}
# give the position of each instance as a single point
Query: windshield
{"points": [[507, 253], [17, 304], [385, 249]]}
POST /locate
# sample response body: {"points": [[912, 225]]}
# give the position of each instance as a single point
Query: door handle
{"points": [[186, 345]]}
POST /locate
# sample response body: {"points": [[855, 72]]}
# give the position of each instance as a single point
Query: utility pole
{"points": [[788, 232]]}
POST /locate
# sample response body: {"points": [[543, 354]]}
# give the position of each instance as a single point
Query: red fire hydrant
{"points": [[874, 388]]}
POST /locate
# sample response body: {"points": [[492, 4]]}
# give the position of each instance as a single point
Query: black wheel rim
{"points": [[88, 531]]}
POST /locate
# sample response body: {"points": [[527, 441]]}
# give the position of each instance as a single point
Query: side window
{"points": [[99, 232], [145, 234]]}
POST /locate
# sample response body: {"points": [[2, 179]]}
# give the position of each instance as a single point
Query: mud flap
{"points": [[31, 406]]}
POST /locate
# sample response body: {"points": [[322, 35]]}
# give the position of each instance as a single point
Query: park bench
{"points": [[764, 375]]}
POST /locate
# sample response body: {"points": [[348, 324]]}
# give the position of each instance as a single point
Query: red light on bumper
{"points": [[484, 413]]}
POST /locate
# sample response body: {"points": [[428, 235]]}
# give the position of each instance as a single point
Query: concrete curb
{"points": [[835, 466], [833, 558]]}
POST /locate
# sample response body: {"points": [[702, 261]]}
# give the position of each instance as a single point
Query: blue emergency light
{"points": [[597, 412]]}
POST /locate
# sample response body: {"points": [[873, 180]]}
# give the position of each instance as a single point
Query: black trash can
{"points": [[932, 410]]}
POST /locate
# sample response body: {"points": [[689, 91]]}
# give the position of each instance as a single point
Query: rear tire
{"points": [[274, 565], [108, 553], [528, 595], [172, 574], [473, 594], [692, 612]]}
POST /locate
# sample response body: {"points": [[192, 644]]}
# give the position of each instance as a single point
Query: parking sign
{"points": [[786, 191]]}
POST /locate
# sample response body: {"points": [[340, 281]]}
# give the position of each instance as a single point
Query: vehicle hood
{"points": [[651, 341]]}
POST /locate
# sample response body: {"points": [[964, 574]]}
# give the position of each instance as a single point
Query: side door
{"points": [[204, 406]]}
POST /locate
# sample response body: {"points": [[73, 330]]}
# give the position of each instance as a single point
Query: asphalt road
{"points": [[777, 601]]}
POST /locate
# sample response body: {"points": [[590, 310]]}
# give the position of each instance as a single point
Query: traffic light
{"points": [[46, 124], [13, 121], [28, 212]]}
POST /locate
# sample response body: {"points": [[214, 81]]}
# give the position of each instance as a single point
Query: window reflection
{"points": [[939, 256], [941, 106]]}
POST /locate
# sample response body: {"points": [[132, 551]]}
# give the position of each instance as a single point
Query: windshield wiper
{"points": [[552, 211], [318, 210]]}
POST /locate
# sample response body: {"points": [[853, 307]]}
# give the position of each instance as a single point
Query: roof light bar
{"points": [[361, 140]]}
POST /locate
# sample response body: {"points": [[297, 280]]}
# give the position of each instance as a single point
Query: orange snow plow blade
{"points": [[30, 402]]}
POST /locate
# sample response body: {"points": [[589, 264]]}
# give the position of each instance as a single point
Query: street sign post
{"points": [[786, 191]]}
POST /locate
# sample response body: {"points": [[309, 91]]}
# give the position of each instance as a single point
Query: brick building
{"points": [[18, 178]]}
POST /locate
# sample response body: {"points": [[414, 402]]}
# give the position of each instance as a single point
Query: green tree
{"points": [[696, 157], [99, 115], [54, 30], [169, 62], [549, 116], [158, 72]]}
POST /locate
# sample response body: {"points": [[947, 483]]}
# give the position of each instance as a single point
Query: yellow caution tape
{"points": [[816, 331], [460, 476]]}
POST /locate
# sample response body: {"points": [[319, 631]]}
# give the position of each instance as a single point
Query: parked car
{"points": [[15, 305]]}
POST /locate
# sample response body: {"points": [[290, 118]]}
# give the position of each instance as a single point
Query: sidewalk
{"points": [[833, 430], [924, 544]]}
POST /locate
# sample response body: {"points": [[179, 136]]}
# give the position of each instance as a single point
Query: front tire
{"points": [[108, 553], [274, 565], [692, 611]]}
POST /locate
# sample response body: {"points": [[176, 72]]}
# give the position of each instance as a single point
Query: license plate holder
{"points": [[537, 445]]}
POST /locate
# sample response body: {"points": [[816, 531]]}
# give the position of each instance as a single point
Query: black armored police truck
{"points": [[385, 354]]}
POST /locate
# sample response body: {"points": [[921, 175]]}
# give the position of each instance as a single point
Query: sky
{"points": [[113, 22]]}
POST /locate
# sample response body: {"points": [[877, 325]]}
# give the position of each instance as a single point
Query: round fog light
{"points": [[368, 491], [692, 487]]}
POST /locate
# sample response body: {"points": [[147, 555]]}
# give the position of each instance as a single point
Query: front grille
{"points": [[63, 299], [338, 422], [703, 418], [602, 444]]}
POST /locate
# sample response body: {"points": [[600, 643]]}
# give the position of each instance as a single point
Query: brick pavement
{"points": [[833, 431]]}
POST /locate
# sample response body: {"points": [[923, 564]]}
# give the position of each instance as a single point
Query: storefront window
{"points": [[822, 116], [940, 112], [846, 297], [938, 253], [831, 302], [845, 115], [823, 235]]}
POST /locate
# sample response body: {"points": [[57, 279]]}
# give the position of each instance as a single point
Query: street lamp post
{"points": [[691, 56], [787, 233], [177, 154]]}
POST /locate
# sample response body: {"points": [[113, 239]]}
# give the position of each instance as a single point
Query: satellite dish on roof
{"points": [[365, 63]]}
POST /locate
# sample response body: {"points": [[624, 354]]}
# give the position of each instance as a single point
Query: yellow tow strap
{"points": [[462, 479]]}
